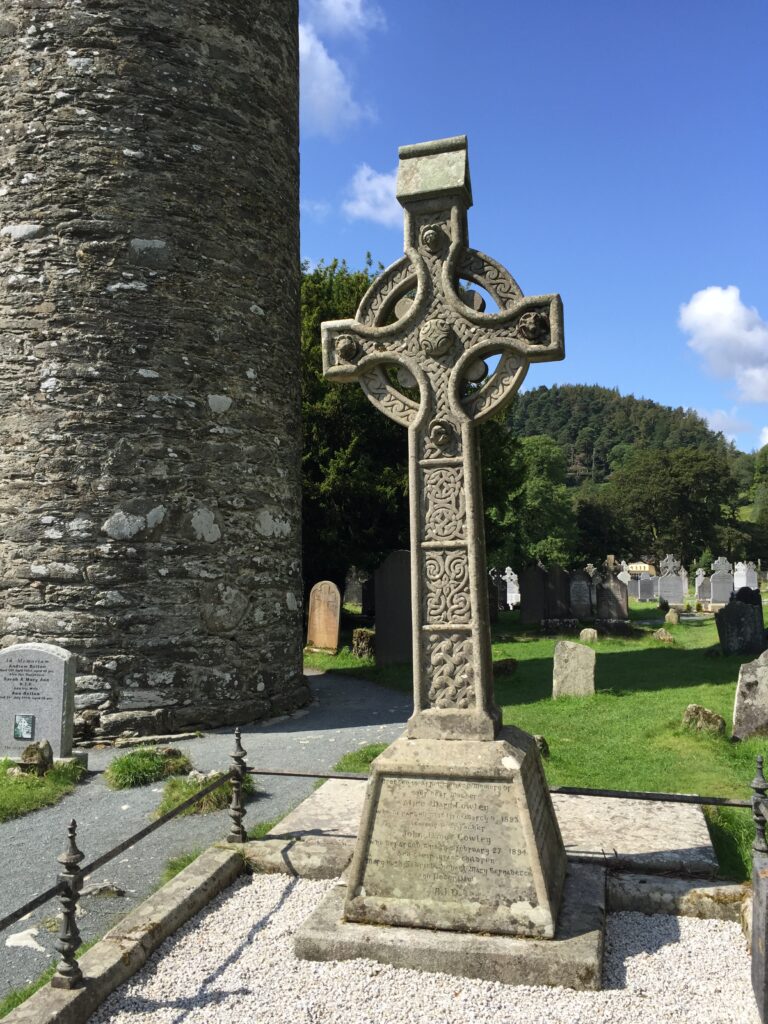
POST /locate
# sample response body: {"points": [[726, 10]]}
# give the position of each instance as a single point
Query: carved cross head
{"points": [[721, 565], [420, 342]]}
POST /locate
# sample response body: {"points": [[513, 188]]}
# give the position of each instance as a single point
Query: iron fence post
{"points": [[759, 893], [237, 833], [68, 973]]}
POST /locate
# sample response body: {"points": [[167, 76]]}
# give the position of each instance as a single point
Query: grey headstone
{"points": [[612, 599], [645, 587], [740, 628], [721, 581], [37, 698], [581, 602], [533, 595], [394, 638], [671, 584], [750, 709], [744, 575], [573, 673], [558, 593], [633, 588], [353, 586]]}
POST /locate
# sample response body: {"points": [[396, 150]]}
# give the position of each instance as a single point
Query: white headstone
{"points": [[37, 698], [513, 587]]}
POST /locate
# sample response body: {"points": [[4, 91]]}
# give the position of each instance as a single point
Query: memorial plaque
{"points": [[463, 853], [37, 698], [324, 613]]}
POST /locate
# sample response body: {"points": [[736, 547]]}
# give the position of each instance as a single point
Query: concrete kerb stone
{"points": [[313, 857], [128, 945]]}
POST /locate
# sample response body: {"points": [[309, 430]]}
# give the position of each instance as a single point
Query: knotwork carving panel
{"points": [[449, 671], [447, 587], [444, 506]]}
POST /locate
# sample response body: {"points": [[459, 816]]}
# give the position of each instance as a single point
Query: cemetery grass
{"points": [[17, 996], [628, 736], [143, 766], [20, 794], [177, 790]]}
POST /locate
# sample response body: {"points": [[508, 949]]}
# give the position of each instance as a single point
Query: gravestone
{"points": [[721, 581], [612, 600], [513, 587], [645, 587], [671, 582], [625, 578], [558, 593], [368, 597], [744, 575], [324, 615], [533, 595], [750, 708], [394, 623], [702, 587], [581, 601], [353, 586], [740, 628], [458, 832], [573, 671], [492, 584], [37, 698], [633, 588]]}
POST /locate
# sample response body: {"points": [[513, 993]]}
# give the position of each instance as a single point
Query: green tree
{"points": [[676, 500]]}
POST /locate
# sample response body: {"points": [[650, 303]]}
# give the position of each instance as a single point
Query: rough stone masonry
{"points": [[149, 393]]}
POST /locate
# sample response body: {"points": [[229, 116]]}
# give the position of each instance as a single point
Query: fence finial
{"points": [[68, 973], [237, 833]]}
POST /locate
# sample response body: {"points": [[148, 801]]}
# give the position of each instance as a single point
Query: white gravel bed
{"points": [[234, 964]]}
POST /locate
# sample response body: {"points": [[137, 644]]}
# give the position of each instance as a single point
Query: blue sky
{"points": [[619, 156]]}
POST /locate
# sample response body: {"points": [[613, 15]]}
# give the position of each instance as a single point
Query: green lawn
{"points": [[21, 794], [628, 736]]}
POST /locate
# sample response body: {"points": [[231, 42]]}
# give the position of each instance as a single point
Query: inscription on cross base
{"points": [[419, 346]]}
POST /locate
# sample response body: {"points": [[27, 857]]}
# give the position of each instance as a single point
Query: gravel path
{"points": [[347, 713], [234, 964]]}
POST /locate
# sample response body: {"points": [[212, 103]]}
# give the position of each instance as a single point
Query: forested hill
{"points": [[595, 426]]}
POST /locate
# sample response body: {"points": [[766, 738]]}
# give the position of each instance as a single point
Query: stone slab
{"points": [[301, 857], [682, 897], [323, 618], [643, 836], [573, 958]]}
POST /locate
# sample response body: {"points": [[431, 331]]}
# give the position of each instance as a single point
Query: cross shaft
{"points": [[418, 346]]}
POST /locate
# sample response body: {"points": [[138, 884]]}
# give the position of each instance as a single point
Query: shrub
{"points": [[144, 765]]}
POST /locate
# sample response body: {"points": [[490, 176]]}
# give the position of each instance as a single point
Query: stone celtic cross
{"points": [[418, 346]]}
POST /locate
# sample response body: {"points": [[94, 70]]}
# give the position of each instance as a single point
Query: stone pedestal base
{"points": [[573, 958], [459, 835]]}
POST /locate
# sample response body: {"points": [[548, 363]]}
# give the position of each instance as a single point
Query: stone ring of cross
{"points": [[421, 340]]}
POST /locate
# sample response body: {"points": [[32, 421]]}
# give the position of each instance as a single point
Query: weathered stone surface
{"points": [[394, 625], [573, 673], [324, 616], [750, 708], [459, 835], [558, 593], [703, 720], [533, 595], [588, 636], [721, 581], [363, 643], [37, 693], [664, 636], [683, 897], [38, 755], [149, 353], [612, 599], [672, 618], [581, 600], [573, 958], [740, 628]]}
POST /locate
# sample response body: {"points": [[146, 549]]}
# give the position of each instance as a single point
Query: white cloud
{"points": [[731, 338], [338, 17], [372, 197], [315, 209], [327, 104], [730, 423], [763, 437]]}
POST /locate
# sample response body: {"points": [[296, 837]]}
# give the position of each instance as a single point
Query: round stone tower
{"points": [[149, 387]]}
